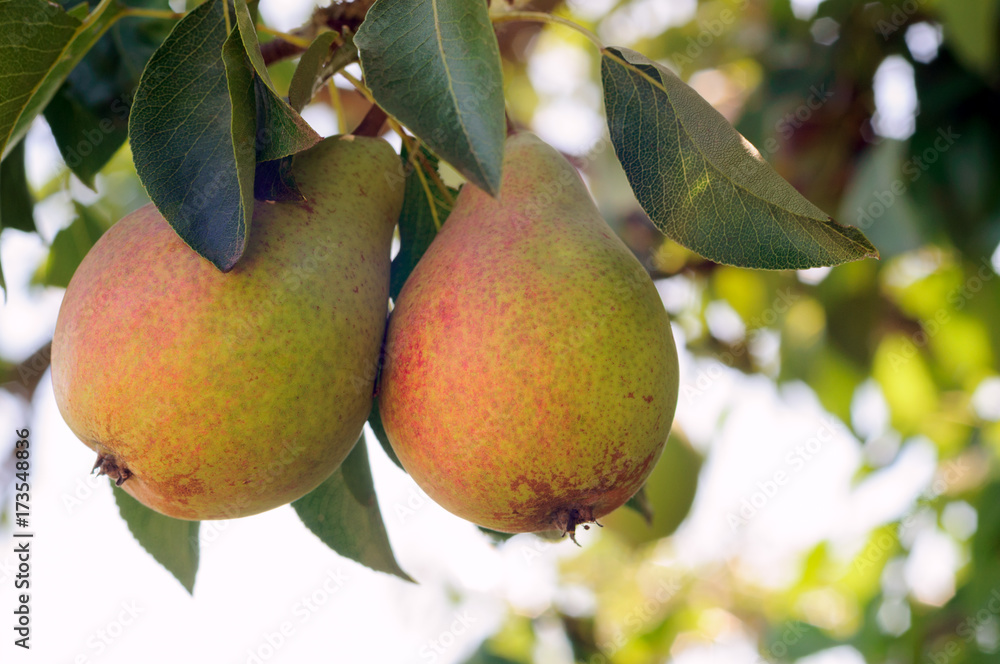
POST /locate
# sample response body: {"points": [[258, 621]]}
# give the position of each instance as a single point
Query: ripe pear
{"points": [[530, 373], [210, 395]]}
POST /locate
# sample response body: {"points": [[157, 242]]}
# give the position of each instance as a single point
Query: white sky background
{"points": [[255, 571]]}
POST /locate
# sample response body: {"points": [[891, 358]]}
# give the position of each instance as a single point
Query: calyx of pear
{"points": [[530, 373], [210, 395]]}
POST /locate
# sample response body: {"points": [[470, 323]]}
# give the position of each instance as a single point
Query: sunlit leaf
{"points": [[703, 184]]}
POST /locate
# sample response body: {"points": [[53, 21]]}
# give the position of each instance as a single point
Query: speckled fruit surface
{"points": [[222, 395], [530, 375]]}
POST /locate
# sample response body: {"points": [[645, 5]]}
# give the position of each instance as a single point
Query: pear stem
{"points": [[542, 17], [338, 106], [371, 124]]}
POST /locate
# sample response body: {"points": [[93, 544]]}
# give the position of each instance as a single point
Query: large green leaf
{"points": [[40, 46], [172, 542], [89, 113], [343, 512], [703, 184], [435, 65], [180, 131], [16, 204]]}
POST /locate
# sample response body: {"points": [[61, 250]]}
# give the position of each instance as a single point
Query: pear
{"points": [[530, 373], [210, 395]]}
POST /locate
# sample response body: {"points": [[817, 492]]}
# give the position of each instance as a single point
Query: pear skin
{"points": [[210, 395], [530, 373]]}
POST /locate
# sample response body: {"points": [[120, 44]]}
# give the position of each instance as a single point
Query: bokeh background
{"points": [[829, 494]]}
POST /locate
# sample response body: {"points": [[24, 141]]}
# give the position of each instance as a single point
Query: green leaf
{"points": [[242, 85], [317, 65], [417, 227], [172, 542], [41, 45], [435, 66], [248, 34], [496, 537], [344, 513], [16, 204], [68, 248], [89, 113], [281, 131], [703, 184], [971, 30], [665, 500], [639, 503], [375, 421], [181, 133]]}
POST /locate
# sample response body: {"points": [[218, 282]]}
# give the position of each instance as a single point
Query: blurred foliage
{"points": [[919, 329]]}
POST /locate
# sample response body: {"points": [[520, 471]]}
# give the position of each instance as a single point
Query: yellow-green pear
{"points": [[530, 373], [210, 395]]}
